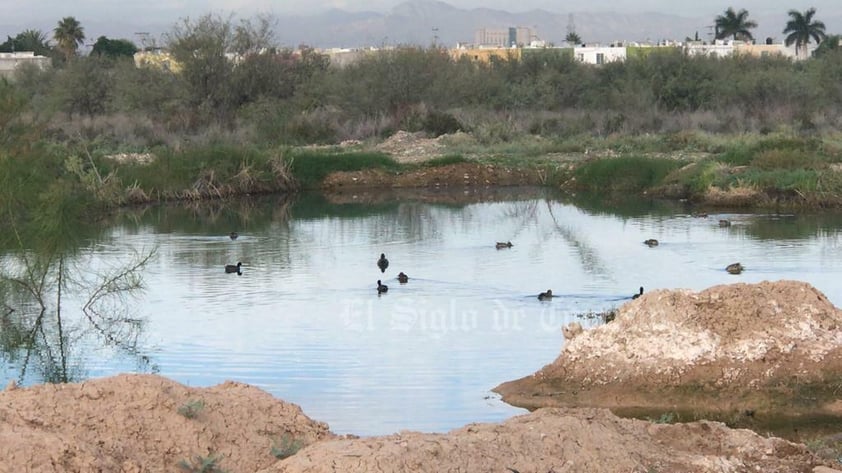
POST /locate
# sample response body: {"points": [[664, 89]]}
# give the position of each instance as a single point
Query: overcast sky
{"points": [[16, 16]]}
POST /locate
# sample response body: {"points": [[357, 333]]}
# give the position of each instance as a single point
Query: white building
{"points": [[599, 54], [9, 62]]}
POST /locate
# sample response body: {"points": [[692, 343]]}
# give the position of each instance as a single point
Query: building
{"points": [[9, 62], [504, 37]]}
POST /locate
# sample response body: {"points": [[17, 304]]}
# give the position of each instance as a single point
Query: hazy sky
{"points": [[107, 16], [170, 10]]}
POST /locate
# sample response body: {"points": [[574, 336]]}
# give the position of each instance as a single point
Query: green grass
{"points": [[624, 174], [309, 168], [287, 447], [191, 408], [200, 464], [445, 161]]}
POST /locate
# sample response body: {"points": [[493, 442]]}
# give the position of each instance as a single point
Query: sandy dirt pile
{"points": [[131, 423], [559, 440], [750, 340], [408, 147]]}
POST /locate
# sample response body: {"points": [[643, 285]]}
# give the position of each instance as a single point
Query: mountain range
{"points": [[424, 21]]}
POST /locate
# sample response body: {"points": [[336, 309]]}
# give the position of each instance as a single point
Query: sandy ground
{"points": [[756, 350], [137, 423]]}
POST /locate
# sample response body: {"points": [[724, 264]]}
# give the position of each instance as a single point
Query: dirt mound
{"points": [[408, 147], [559, 440], [759, 347], [139, 423]]}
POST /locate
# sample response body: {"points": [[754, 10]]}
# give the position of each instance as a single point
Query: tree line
{"points": [[273, 95]]}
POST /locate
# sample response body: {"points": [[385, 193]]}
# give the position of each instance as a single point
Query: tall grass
{"points": [[310, 167], [626, 174]]}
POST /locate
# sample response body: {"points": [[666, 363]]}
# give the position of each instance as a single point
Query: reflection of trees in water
{"points": [[37, 332], [591, 262]]}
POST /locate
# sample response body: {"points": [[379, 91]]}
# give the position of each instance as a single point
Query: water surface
{"points": [[305, 322]]}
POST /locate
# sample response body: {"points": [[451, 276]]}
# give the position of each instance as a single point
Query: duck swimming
{"points": [[638, 294], [651, 242], [735, 268], [381, 288], [545, 295], [233, 235], [403, 278], [501, 245], [234, 268], [382, 263], [724, 223]]}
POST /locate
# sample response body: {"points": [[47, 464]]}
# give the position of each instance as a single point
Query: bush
{"points": [[438, 123]]}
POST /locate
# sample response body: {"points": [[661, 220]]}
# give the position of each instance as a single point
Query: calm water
{"points": [[305, 323]]}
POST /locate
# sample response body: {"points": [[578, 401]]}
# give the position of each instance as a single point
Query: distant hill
{"points": [[422, 21]]}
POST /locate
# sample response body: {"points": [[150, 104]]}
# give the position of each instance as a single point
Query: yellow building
{"points": [[485, 55], [157, 58]]}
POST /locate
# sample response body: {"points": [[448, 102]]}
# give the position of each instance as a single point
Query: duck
{"points": [[735, 268], [382, 263], [234, 268], [651, 242], [381, 288], [545, 295], [724, 223], [233, 235], [638, 294], [501, 245], [403, 278]]}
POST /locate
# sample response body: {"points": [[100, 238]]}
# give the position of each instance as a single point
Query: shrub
{"points": [[287, 447], [191, 408], [439, 123]]}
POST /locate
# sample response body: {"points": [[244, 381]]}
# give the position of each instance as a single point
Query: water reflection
{"points": [[304, 321]]}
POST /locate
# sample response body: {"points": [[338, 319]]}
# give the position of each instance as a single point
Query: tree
{"points": [[800, 28], [573, 38], [831, 45], [734, 24], [69, 34], [113, 48], [28, 40]]}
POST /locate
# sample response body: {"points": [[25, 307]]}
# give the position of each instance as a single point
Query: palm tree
{"points": [[801, 27], [734, 24], [573, 38], [69, 35]]}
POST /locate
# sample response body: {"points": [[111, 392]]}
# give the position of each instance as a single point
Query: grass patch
{"points": [[630, 174], [665, 418], [191, 408], [445, 161], [200, 464], [310, 168], [286, 447]]}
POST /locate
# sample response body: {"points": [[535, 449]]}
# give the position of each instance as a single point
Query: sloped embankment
{"points": [[769, 348], [131, 423]]}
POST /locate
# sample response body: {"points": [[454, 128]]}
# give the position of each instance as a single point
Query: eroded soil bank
{"points": [[742, 353], [140, 423]]}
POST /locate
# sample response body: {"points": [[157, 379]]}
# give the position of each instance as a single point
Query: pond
{"points": [[305, 322]]}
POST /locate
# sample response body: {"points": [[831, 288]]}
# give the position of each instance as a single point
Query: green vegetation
{"points": [[624, 174], [191, 408], [309, 168], [200, 464], [287, 447], [96, 132]]}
